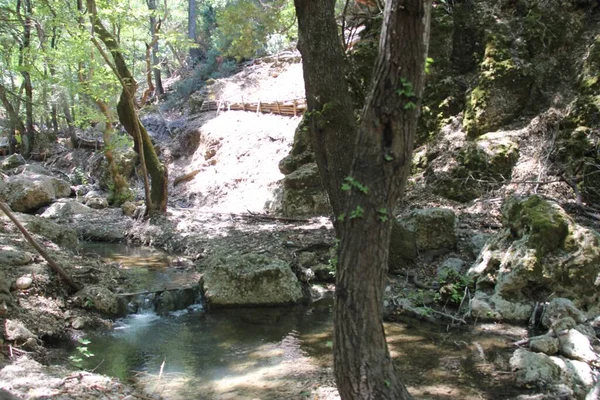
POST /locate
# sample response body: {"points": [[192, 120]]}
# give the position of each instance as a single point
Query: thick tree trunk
{"points": [[330, 116], [373, 162]]}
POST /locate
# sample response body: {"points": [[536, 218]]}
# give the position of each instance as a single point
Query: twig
{"points": [[162, 366], [97, 366]]}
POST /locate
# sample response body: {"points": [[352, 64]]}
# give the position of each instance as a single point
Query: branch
{"points": [[39, 249]]}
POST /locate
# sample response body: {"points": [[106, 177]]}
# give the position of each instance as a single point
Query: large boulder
{"points": [[428, 233], [302, 192], [106, 225], [29, 190], [100, 299], [534, 369], [67, 210], [59, 234], [250, 279], [541, 251]]}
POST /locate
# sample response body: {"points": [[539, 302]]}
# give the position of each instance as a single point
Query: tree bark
{"points": [[154, 27], [28, 135], [193, 31], [330, 117], [156, 200], [373, 162], [13, 116]]}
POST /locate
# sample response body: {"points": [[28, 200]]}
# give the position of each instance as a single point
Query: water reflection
{"points": [[212, 346]]}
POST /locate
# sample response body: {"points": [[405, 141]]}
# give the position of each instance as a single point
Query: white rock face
{"points": [[575, 345]]}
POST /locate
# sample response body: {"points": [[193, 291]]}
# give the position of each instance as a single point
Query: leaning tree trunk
{"points": [[380, 153], [156, 200]]}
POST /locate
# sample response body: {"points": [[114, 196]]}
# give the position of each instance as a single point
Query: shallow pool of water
{"points": [[285, 353]]}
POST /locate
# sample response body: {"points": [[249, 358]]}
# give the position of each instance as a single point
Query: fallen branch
{"points": [[186, 177], [39, 249]]}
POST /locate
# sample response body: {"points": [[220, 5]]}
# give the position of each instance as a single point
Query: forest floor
{"points": [[222, 210]]}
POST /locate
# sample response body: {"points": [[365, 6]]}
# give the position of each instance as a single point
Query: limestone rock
{"points": [[97, 203], [12, 161], [59, 234], [458, 168], [67, 209], [534, 369], [78, 323], [5, 296], [100, 299], [13, 256], [250, 279], [542, 248], [304, 177], [560, 308], [429, 232], [15, 330], [450, 266], [576, 346], [497, 308], [128, 208], [546, 344]]}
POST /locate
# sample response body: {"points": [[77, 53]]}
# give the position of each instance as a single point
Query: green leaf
{"points": [[346, 187], [357, 213], [410, 106], [388, 157], [341, 217]]}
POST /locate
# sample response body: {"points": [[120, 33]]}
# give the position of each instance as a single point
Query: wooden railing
{"points": [[292, 108]]}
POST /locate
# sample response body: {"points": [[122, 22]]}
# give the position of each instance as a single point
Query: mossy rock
{"points": [[545, 224], [541, 252], [503, 88], [305, 202], [307, 176], [249, 279], [429, 233]]}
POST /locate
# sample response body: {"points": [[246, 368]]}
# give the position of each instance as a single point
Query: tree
{"points": [[195, 53], [363, 189], [156, 198]]}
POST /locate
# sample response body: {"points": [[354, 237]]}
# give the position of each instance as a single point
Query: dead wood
{"points": [[39, 249]]}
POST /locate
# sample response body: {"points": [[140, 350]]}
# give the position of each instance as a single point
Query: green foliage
{"points": [[80, 177], [250, 28], [350, 182], [77, 359], [428, 63], [452, 287], [358, 212], [382, 214], [406, 89]]}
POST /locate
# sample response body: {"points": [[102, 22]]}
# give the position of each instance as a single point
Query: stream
{"points": [[284, 353]]}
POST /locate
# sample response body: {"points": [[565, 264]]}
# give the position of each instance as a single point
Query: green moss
{"points": [[545, 226]]}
